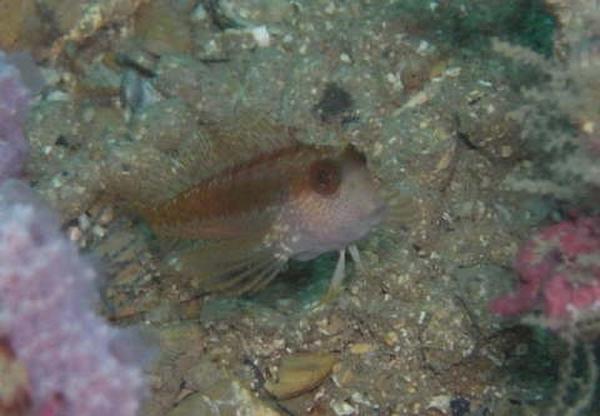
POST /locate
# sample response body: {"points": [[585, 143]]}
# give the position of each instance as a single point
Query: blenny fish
{"points": [[254, 198]]}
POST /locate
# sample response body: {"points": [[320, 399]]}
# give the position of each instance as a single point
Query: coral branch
{"points": [[14, 100], [560, 273], [46, 295]]}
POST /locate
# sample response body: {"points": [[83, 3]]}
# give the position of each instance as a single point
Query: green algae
{"points": [[471, 25]]}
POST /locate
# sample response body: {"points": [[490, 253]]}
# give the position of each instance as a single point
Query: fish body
{"points": [[241, 224]]}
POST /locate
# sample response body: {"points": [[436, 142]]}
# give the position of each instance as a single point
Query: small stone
{"points": [[588, 127], [84, 222], [342, 408], [99, 231], [342, 375], [361, 348], [453, 72], [441, 403], [390, 339], [506, 151], [99, 80], [360, 398], [261, 36], [199, 14], [460, 406], [377, 149], [224, 398], [74, 233], [106, 216], [300, 373]]}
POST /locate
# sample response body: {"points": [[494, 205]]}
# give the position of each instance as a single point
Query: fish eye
{"points": [[325, 176]]}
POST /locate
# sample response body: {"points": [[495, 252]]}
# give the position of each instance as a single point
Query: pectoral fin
{"points": [[340, 271], [232, 266]]}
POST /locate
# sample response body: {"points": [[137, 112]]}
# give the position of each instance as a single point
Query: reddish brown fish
{"points": [[244, 221]]}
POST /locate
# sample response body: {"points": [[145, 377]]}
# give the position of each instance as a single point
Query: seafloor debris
{"points": [[300, 373]]}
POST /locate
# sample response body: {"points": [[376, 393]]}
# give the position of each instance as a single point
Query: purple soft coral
{"points": [[560, 271], [46, 291], [13, 109]]}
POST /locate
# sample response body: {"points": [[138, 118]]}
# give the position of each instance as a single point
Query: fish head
{"points": [[339, 204]]}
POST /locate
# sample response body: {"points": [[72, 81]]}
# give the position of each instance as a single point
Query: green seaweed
{"points": [[471, 25]]}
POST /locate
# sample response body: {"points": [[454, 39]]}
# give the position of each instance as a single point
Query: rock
{"points": [[78, 20], [20, 26], [160, 28], [446, 337], [218, 393], [164, 124], [14, 383], [236, 13], [300, 373], [99, 81], [223, 399]]}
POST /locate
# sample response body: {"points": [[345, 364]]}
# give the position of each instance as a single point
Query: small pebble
{"points": [[261, 36], [342, 408], [460, 406], [74, 233], [84, 222], [361, 348]]}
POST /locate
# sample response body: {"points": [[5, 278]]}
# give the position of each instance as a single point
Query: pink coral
{"points": [[559, 271], [13, 109], [46, 311]]}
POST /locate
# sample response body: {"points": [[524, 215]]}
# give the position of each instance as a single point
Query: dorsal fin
{"points": [[231, 142], [136, 175], [139, 175]]}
